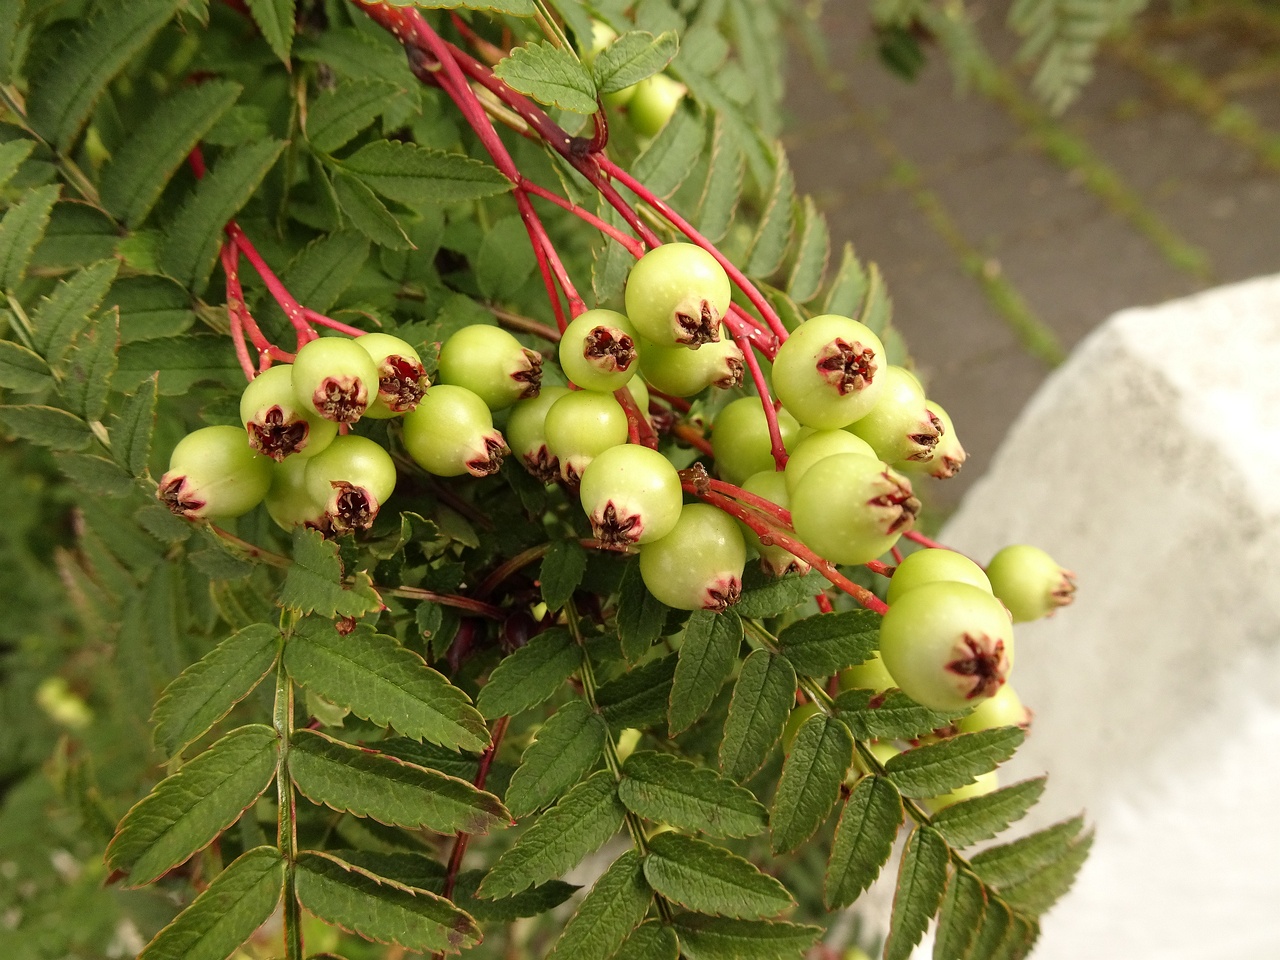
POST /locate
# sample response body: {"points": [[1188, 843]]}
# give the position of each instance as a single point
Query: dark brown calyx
{"points": [[274, 435], [542, 465], [530, 375], [946, 466], [609, 349], [849, 367], [731, 375], [898, 506], [351, 508], [723, 594], [489, 460], [982, 663], [693, 329], [341, 399], [1065, 591], [613, 529], [402, 382], [176, 494], [926, 438]]}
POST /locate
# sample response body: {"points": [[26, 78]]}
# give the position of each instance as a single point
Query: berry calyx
{"points": [[631, 494], [1030, 582], [277, 424], [402, 379], [698, 565], [677, 294], [450, 433], [947, 645], [352, 478], [492, 364], [931, 565], [598, 350], [828, 372], [213, 474], [851, 509], [948, 455], [335, 378]]}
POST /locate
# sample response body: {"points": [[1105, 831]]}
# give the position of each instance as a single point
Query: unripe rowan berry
{"points": [[632, 495], [851, 509], [985, 783], [289, 502], [828, 372], [1030, 582], [682, 372], [1005, 709], [278, 424], [677, 294], [948, 456], [451, 433], [900, 425], [335, 378], [868, 675], [214, 474], [740, 439], [353, 478], [580, 426], [492, 364], [526, 433], [599, 350], [930, 565], [402, 380], [818, 445], [698, 565], [776, 561]]}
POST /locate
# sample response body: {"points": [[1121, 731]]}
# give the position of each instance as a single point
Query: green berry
{"points": [[985, 783], [598, 350], [279, 425], [776, 561], [450, 433], [682, 372], [828, 372], [653, 103], [868, 675], [900, 426], [677, 294], [1030, 582], [492, 364], [698, 565], [527, 437], [740, 439], [819, 444], [213, 474], [580, 426], [948, 456], [353, 478], [927, 566], [795, 720], [851, 509], [1005, 709], [631, 494], [335, 378], [402, 380], [289, 502]]}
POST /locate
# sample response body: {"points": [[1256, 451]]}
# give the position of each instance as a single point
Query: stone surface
{"points": [[1150, 465]]}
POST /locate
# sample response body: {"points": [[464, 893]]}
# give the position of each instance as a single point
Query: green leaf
{"points": [[561, 572], [88, 379], [674, 152], [335, 117], [64, 92], [131, 430], [21, 229], [181, 362], [821, 645], [1046, 886], [649, 941], [638, 698], [864, 840], [96, 475], [192, 238], [762, 700], [584, 819], [813, 250], [381, 681], [136, 175], [614, 907], [22, 370], [980, 818], [774, 233], [641, 616], [567, 746], [379, 909], [150, 307], [939, 768], [358, 55], [669, 789], [632, 57], [922, 878], [324, 268], [275, 20], [716, 938], [994, 933], [78, 235], [226, 913], [877, 311], [61, 316], [517, 8], [891, 715], [530, 903], [550, 75], [531, 675], [705, 878], [961, 916], [708, 654], [367, 213], [414, 175], [723, 185], [764, 596], [848, 286], [186, 811], [206, 691], [47, 426], [368, 784], [13, 155], [1012, 863], [314, 582], [811, 778]]}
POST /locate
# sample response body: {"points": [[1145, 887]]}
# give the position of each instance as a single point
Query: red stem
{"points": [[638, 428], [875, 566], [776, 446], [924, 541], [461, 839], [780, 514], [279, 292], [688, 434], [631, 244], [312, 316]]}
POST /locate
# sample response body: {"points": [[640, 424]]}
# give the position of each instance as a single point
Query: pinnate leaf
{"points": [[938, 768], [705, 878], [774, 232], [60, 317], [88, 378], [614, 907], [206, 691], [226, 913], [641, 616], [848, 286], [379, 909], [1012, 863], [531, 675], [47, 426], [649, 941], [131, 430], [980, 818], [638, 698], [335, 117], [717, 938], [381, 681], [275, 20], [673, 153], [137, 173], [811, 779], [528, 903], [762, 699], [723, 185], [813, 248], [21, 370], [23, 225], [550, 75], [995, 932], [670, 789], [961, 917], [415, 175], [150, 307], [922, 878], [586, 817], [1046, 886], [97, 475], [864, 840], [181, 362], [766, 596], [391, 791], [13, 154], [708, 652], [632, 57], [821, 645], [891, 715], [314, 582], [367, 213], [561, 572], [567, 746], [65, 90], [187, 810]]}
